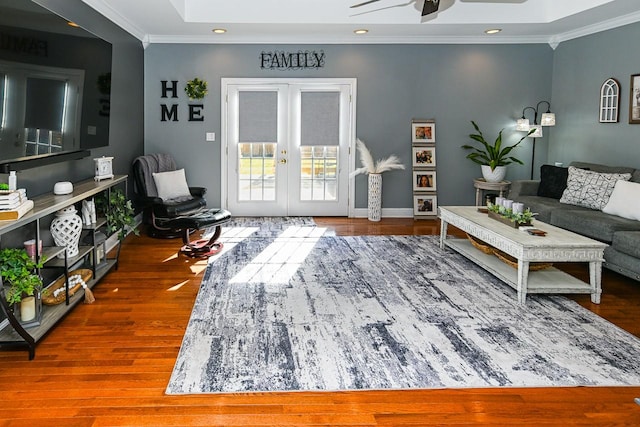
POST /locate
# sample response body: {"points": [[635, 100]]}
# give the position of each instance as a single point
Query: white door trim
{"points": [[224, 132]]}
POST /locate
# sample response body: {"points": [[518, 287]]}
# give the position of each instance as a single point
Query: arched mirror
{"points": [[610, 101]]}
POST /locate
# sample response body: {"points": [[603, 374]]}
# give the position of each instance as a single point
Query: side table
{"points": [[481, 185]]}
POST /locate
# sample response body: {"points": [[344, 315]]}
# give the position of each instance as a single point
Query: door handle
{"points": [[283, 161]]}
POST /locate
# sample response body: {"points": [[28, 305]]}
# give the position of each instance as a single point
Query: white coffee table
{"points": [[558, 245]]}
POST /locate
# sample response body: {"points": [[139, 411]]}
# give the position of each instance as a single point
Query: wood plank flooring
{"points": [[108, 363]]}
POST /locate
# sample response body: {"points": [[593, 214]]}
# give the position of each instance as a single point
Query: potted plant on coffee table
{"points": [[20, 272], [492, 158]]}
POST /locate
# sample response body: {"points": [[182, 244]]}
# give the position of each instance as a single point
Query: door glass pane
{"points": [[318, 172], [256, 172]]}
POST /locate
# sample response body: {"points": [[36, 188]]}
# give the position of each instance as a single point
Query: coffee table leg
{"points": [[595, 279], [523, 277], [443, 232]]}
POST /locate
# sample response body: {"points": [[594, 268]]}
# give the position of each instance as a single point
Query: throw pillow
{"points": [[624, 201], [553, 181], [590, 189], [171, 185]]}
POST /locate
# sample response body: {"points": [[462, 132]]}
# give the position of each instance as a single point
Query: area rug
{"points": [[384, 312]]}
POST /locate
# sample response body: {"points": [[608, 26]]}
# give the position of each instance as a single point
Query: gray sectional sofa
{"points": [[622, 234]]}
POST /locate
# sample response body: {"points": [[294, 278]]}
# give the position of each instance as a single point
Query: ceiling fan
{"points": [[431, 6]]}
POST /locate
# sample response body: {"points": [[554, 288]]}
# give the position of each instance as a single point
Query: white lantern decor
{"points": [[65, 229]]}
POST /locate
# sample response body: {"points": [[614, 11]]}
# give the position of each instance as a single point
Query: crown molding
{"points": [[595, 28], [108, 12], [229, 39]]}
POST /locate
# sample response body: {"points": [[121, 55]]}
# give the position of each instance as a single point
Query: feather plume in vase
{"points": [[370, 166]]}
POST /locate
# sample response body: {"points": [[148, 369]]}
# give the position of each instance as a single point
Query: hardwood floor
{"points": [[108, 363]]}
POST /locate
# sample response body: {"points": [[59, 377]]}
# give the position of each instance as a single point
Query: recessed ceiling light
{"points": [[72, 24], [361, 31], [219, 30], [493, 31]]}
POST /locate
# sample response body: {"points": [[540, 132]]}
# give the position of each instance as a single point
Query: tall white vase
{"points": [[375, 197], [65, 229]]}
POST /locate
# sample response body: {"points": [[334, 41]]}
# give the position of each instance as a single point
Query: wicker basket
{"points": [[47, 294], [480, 245], [509, 260]]}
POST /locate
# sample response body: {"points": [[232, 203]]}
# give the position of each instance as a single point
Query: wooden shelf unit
{"points": [[16, 334]]}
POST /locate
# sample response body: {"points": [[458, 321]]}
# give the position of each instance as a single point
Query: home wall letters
{"points": [[169, 89]]}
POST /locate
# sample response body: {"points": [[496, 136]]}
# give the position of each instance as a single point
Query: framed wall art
{"points": [[634, 99], [423, 131], [423, 157], [425, 205], [424, 180]]}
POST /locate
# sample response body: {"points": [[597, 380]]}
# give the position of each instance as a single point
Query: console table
{"points": [[15, 334]]}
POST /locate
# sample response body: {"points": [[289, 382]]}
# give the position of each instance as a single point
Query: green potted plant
{"points": [[119, 212], [493, 158], [20, 272]]}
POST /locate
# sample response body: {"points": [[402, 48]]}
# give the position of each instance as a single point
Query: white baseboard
{"points": [[386, 213]]}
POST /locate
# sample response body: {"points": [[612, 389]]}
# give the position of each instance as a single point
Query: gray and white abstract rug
{"points": [[303, 311]]}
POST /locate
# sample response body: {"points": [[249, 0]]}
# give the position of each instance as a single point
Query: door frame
{"points": [[224, 140]]}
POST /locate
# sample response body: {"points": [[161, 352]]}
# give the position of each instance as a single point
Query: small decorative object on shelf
{"points": [[196, 89], [65, 229], [510, 213], [56, 292], [62, 188], [104, 168]]}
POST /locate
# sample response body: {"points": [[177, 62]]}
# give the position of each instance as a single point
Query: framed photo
{"points": [[423, 132], [424, 156], [425, 205], [634, 99], [424, 180]]}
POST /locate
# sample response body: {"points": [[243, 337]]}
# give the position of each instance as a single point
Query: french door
{"points": [[287, 146]]}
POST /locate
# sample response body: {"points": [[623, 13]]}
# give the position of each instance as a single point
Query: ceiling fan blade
{"points": [[430, 6], [363, 4]]}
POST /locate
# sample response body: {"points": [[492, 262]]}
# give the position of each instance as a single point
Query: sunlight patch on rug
{"points": [[384, 312]]}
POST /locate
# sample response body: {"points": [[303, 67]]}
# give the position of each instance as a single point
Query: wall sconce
{"points": [[547, 119]]}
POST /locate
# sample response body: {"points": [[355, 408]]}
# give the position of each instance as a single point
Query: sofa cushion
{"points": [[627, 242], [624, 201], [542, 206], [553, 181], [591, 223], [602, 168], [590, 189]]}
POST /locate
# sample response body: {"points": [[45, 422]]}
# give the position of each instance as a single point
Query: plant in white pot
{"points": [[374, 170], [492, 158], [20, 272]]}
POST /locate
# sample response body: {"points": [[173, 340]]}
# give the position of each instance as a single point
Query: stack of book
{"points": [[14, 204]]}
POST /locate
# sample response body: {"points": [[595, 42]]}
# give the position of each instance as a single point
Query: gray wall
{"points": [[580, 68], [453, 84], [127, 108]]}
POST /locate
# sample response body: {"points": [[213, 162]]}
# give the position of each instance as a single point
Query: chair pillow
{"points": [[624, 201], [171, 185], [553, 181], [590, 189]]}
